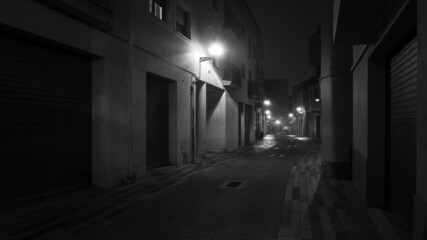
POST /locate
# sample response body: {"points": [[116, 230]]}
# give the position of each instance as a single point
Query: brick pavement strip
{"points": [[316, 207]]}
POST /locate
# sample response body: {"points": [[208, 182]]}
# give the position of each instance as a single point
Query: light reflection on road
{"points": [[267, 142]]}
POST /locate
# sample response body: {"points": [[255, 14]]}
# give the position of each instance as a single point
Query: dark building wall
{"points": [[380, 166]]}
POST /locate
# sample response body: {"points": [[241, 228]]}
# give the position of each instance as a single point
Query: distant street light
{"points": [[267, 112], [317, 99], [267, 103], [268, 116], [299, 110], [278, 122], [291, 115]]}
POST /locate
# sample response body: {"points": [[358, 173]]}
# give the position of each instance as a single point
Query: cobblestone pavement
{"points": [[271, 190]]}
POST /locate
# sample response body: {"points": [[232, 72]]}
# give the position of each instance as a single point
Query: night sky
{"points": [[286, 26]]}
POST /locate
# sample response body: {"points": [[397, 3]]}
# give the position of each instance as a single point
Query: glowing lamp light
{"points": [[267, 103], [267, 112], [268, 116], [277, 122], [317, 99], [216, 49], [291, 115]]}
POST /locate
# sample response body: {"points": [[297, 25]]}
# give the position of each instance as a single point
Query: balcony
{"points": [[253, 90], [233, 77]]}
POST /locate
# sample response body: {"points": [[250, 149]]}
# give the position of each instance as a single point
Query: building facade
{"points": [[100, 92], [306, 109], [374, 80]]}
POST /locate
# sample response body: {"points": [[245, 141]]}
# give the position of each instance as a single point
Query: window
{"points": [[159, 9], [243, 32], [183, 22], [232, 22], [215, 62], [227, 15], [215, 4], [250, 47], [243, 70]]}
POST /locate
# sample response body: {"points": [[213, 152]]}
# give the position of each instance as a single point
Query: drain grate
{"points": [[233, 184], [276, 155]]}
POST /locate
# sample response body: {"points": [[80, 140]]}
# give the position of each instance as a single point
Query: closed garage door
{"points": [[157, 121], [45, 118], [402, 123]]}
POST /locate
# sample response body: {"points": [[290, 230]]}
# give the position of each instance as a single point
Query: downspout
{"points": [[129, 79], [194, 118]]}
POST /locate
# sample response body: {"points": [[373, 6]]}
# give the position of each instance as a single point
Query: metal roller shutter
{"points": [[157, 121], [45, 118], [402, 123]]}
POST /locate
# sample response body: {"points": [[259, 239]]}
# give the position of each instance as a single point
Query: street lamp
{"points": [[299, 110], [215, 49], [291, 115], [267, 112], [267, 103], [278, 122]]}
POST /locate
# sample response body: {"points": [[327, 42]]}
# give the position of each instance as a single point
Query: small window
{"points": [[183, 22], [243, 31], [215, 4], [227, 14], [250, 47], [159, 9], [215, 62], [243, 71]]}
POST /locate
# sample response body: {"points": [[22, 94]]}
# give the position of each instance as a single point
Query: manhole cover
{"points": [[276, 155], [234, 184]]}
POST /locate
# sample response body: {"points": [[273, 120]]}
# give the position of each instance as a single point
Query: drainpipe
{"points": [[129, 79], [193, 118]]}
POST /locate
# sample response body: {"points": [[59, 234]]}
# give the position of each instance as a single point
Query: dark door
{"points": [[157, 121], [45, 118], [402, 145], [317, 126], [248, 123], [239, 124]]}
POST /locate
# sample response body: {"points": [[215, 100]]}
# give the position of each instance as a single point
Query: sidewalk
{"points": [[82, 208], [271, 190]]}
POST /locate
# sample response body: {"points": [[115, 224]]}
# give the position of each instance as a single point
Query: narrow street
{"points": [[272, 190]]}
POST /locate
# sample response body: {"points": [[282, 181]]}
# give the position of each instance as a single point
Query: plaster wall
{"points": [[201, 119], [232, 118], [215, 121], [124, 57]]}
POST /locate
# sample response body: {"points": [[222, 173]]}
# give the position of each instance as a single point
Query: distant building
{"points": [[102, 92], [306, 100], [306, 109]]}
